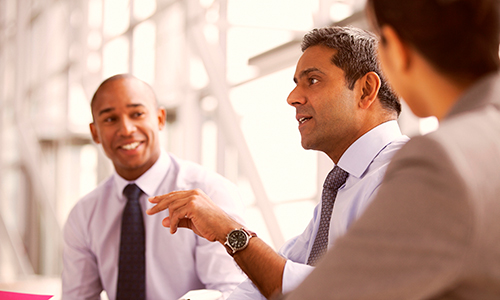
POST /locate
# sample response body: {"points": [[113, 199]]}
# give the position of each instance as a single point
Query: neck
{"points": [[372, 119], [447, 93], [437, 92]]}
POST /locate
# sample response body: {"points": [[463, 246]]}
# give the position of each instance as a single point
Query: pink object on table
{"points": [[20, 296]]}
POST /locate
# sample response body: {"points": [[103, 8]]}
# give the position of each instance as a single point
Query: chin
{"points": [[306, 146], [132, 164]]}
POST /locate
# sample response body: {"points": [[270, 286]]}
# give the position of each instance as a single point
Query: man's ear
{"points": [[370, 85], [162, 117], [396, 52], [93, 131]]}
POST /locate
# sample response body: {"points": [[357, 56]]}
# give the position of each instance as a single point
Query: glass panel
{"points": [[48, 108], [55, 50], [244, 43], [79, 115], [144, 51], [94, 62], [256, 222], [13, 187], [116, 55], [268, 122], [197, 74], [144, 8], [272, 14], [171, 52], [116, 17], [209, 145], [94, 40], [294, 217], [340, 10], [95, 13], [9, 153]]}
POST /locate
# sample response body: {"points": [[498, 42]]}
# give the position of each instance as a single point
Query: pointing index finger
{"points": [[162, 202]]}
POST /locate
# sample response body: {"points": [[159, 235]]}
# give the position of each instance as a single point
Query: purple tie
{"points": [[132, 262], [335, 179]]}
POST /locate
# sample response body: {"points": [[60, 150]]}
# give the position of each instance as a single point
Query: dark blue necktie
{"points": [[335, 179], [132, 262]]}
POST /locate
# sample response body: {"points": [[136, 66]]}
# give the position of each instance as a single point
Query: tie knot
{"points": [[335, 179], [132, 192]]}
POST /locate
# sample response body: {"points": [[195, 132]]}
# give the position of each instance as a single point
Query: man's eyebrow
{"points": [[106, 110], [110, 109], [135, 105], [306, 72]]}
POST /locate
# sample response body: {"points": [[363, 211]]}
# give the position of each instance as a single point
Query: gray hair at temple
{"points": [[356, 55]]}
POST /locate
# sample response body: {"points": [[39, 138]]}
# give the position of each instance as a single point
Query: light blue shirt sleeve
{"points": [[366, 161], [296, 251]]}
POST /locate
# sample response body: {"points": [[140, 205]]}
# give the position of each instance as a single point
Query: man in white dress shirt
{"points": [[345, 109], [126, 123]]}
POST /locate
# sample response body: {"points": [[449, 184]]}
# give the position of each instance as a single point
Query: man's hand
{"points": [[195, 210]]}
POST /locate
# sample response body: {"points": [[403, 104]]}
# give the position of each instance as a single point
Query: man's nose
{"points": [[127, 127], [295, 97]]}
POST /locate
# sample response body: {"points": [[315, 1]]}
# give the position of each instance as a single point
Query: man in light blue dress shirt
{"points": [[126, 123], [345, 109], [432, 231]]}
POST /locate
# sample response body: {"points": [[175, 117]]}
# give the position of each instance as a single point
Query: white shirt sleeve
{"points": [[246, 291], [294, 274]]}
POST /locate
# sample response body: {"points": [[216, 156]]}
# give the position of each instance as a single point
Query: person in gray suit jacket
{"points": [[433, 231]]}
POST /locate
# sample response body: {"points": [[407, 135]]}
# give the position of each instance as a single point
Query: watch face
{"points": [[237, 239]]}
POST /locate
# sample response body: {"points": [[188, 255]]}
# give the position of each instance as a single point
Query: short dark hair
{"points": [[459, 38], [356, 55]]}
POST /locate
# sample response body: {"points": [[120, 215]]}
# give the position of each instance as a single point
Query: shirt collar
{"points": [[361, 153], [150, 180]]}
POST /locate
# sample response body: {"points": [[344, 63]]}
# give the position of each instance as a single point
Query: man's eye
{"points": [[109, 119], [313, 80], [137, 114]]}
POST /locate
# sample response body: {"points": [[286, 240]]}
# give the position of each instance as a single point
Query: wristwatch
{"points": [[237, 240]]}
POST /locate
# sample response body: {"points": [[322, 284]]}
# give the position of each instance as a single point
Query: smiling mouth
{"points": [[131, 146], [304, 119]]}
